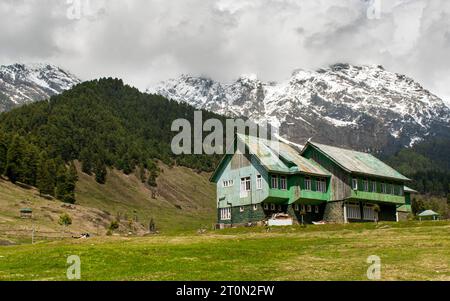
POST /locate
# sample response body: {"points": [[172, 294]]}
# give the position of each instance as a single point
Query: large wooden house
{"points": [[312, 184]]}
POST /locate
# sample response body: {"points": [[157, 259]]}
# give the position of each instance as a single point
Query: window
{"points": [[355, 184], [296, 207], [322, 185], [303, 208], [225, 214], [316, 209], [258, 182], [374, 186], [272, 207], [353, 211], [283, 183], [266, 206], [241, 209], [369, 213], [279, 208], [255, 207], [245, 186], [383, 188], [228, 183], [366, 185], [308, 184], [274, 182], [309, 208], [393, 189]]}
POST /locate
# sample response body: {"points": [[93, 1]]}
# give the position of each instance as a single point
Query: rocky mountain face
{"points": [[21, 84], [362, 107]]}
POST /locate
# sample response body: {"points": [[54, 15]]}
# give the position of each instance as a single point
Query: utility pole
{"points": [[32, 235]]}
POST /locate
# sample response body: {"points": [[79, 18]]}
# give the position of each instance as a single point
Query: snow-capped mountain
{"points": [[364, 107], [24, 83]]}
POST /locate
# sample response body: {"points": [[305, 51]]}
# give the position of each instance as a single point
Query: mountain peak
{"points": [[24, 83], [358, 106]]}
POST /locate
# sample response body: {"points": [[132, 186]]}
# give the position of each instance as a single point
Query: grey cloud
{"points": [[146, 41]]}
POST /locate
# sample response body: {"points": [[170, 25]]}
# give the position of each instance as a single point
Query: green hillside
{"points": [[102, 123]]}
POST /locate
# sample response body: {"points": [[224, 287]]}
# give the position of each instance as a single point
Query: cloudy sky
{"points": [[146, 41]]}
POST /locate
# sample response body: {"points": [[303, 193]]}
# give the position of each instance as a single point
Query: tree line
{"points": [[102, 124]]}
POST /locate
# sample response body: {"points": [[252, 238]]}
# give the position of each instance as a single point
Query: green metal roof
{"points": [[279, 157], [410, 190], [358, 162], [404, 208]]}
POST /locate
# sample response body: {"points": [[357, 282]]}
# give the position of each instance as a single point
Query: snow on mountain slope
{"points": [[20, 84], [364, 107]]}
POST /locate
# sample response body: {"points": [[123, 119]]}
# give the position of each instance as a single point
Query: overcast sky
{"points": [[146, 41]]}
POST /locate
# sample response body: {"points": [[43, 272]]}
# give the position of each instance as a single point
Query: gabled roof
{"points": [[428, 213], [277, 157], [358, 162], [410, 190]]}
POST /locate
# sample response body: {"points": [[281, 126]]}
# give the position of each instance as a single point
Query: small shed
{"points": [[429, 214], [26, 213]]}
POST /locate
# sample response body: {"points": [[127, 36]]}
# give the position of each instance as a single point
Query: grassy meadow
{"points": [[408, 251]]}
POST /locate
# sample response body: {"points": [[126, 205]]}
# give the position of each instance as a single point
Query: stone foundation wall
{"points": [[334, 212]]}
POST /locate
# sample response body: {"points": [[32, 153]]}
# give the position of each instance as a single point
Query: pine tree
{"points": [[3, 154], [30, 164], [142, 173], [100, 172], [14, 157], [61, 183], [45, 179], [86, 161]]}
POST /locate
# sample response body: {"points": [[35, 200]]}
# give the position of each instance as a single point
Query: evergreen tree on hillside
{"points": [[45, 178], [14, 157], [30, 164], [86, 162], [100, 172], [3, 154]]}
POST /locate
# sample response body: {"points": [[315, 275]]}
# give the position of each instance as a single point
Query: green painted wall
{"points": [[232, 195], [377, 197]]}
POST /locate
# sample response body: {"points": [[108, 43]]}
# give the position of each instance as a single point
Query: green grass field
{"points": [[408, 251]]}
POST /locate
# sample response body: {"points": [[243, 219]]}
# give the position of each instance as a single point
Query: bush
{"points": [[114, 225], [65, 220]]}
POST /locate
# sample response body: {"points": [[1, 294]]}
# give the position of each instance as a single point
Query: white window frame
{"points": [[374, 186], [400, 191], [308, 184], [296, 207], [321, 185], [258, 182], [228, 183], [303, 208], [369, 213], [309, 208], [266, 206], [273, 207], [383, 188], [316, 209], [393, 189], [246, 186], [241, 209], [355, 184], [225, 214], [283, 183], [366, 185], [353, 211], [255, 207], [274, 180]]}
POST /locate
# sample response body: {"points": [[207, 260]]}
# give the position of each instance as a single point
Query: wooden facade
{"points": [[310, 185]]}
